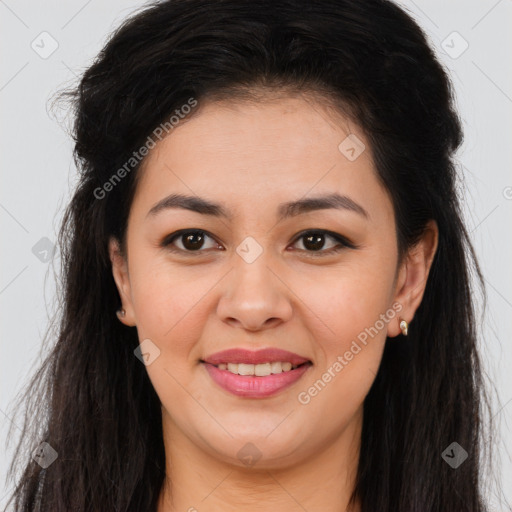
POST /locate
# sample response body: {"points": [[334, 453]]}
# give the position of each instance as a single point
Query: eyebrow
{"points": [[285, 210]]}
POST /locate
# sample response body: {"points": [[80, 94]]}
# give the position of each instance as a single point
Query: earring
{"points": [[404, 326], [121, 313]]}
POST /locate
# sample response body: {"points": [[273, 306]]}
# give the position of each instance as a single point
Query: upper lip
{"points": [[240, 355]]}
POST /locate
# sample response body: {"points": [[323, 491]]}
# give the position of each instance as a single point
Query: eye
{"points": [[314, 240], [191, 240]]}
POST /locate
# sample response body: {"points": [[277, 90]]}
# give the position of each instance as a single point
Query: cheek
{"points": [[352, 312], [350, 326], [171, 310], [349, 300], [168, 305]]}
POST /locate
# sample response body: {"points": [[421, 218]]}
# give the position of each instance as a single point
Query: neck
{"points": [[197, 480]]}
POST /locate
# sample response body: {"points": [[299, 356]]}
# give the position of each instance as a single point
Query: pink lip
{"points": [[252, 386], [240, 355]]}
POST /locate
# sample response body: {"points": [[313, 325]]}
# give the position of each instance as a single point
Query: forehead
{"points": [[255, 153]]}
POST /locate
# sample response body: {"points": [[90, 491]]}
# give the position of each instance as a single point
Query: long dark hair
{"points": [[92, 400]]}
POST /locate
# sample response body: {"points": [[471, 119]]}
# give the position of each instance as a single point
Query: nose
{"points": [[255, 297]]}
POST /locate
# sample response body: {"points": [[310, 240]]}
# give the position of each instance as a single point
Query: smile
{"points": [[256, 380], [260, 370]]}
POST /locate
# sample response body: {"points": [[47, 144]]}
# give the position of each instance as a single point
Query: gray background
{"points": [[38, 173]]}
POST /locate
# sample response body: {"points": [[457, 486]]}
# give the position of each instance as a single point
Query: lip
{"points": [[252, 386], [266, 355]]}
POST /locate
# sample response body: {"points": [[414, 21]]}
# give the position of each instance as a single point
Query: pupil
{"points": [[193, 240], [315, 245]]}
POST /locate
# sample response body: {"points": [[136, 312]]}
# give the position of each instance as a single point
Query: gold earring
{"points": [[404, 326], [121, 312]]}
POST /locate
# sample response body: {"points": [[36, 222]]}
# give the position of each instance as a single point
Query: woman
{"points": [[267, 300]]}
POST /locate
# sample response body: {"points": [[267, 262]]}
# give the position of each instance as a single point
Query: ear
{"points": [[413, 275], [122, 279]]}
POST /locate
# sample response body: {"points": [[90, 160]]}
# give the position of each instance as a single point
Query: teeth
{"points": [[245, 369], [276, 367], [259, 370], [286, 367]]}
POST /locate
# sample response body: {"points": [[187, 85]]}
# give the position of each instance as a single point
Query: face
{"points": [[320, 280]]}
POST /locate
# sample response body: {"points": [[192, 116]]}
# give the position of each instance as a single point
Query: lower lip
{"points": [[255, 387]]}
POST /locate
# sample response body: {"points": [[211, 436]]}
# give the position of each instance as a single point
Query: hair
{"points": [[91, 399]]}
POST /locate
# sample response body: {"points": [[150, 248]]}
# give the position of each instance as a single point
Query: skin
{"points": [[250, 157]]}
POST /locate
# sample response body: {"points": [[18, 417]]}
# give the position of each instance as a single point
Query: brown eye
{"points": [[189, 241], [193, 241], [314, 241]]}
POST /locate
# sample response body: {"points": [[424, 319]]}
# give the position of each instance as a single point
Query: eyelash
{"points": [[343, 242]]}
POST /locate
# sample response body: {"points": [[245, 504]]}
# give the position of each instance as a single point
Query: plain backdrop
{"points": [[45, 46]]}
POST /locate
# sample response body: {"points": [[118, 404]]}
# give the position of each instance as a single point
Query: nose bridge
{"points": [[254, 296]]}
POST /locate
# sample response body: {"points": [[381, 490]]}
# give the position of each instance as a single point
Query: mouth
{"points": [[258, 370], [260, 380]]}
